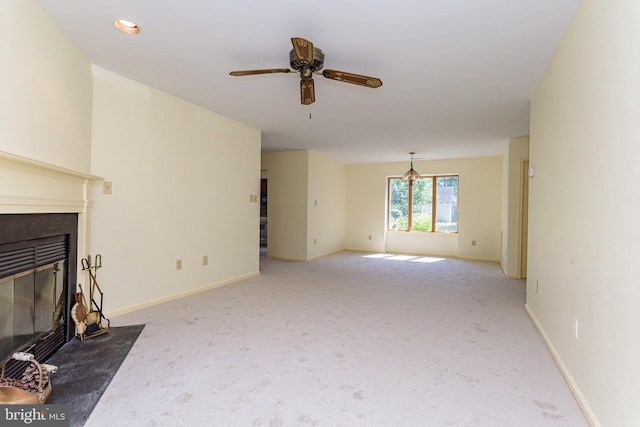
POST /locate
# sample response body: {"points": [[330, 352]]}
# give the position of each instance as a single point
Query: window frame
{"points": [[434, 195]]}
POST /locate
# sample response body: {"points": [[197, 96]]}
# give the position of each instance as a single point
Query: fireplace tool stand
{"points": [[91, 326]]}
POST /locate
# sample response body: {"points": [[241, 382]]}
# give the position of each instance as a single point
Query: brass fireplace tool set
{"points": [[89, 322], [33, 386]]}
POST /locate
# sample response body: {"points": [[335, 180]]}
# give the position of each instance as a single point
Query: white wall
{"points": [[479, 214], [516, 152], [177, 194], [584, 233], [45, 89]]}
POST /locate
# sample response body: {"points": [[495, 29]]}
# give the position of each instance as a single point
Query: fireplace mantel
{"points": [[32, 186], [29, 186], [46, 166]]}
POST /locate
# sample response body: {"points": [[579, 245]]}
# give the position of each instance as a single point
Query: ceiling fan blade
{"points": [[356, 79], [303, 49], [307, 92], [253, 72]]}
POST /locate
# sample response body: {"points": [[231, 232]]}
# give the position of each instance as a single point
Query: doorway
{"points": [[524, 222], [263, 212]]}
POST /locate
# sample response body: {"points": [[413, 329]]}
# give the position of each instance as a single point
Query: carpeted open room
{"points": [[350, 339]]}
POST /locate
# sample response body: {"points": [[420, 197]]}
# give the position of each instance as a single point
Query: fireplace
{"points": [[38, 254]]}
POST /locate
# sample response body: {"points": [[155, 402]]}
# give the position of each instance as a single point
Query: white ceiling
{"points": [[458, 74]]}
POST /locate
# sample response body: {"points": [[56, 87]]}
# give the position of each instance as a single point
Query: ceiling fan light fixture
{"points": [[307, 60], [411, 174], [126, 26]]}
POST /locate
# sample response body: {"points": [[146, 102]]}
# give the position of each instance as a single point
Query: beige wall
{"points": [[340, 206], [516, 152], [326, 205], [366, 201], [45, 87], [306, 204], [479, 214], [45, 116], [177, 193], [287, 205], [584, 233]]}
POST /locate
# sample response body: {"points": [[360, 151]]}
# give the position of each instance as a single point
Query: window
{"points": [[411, 206]]}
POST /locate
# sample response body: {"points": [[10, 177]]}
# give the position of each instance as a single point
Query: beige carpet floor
{"points": [[345, 340]]}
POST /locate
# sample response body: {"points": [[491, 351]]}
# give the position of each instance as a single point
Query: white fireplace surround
{"points": [[29, 186]]}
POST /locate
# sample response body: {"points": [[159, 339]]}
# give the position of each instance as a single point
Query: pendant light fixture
{"points": [[411, 175]]}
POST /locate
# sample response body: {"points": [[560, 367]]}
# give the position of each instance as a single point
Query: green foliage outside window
{"points": [[420, 195]]}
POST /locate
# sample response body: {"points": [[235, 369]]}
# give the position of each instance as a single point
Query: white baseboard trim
{"points": [[481, 259], [582, 402], [162, 300], [325, 254], [286, 258]]}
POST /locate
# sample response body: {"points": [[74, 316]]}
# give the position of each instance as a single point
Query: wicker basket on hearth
{"points": [[33, 388]]}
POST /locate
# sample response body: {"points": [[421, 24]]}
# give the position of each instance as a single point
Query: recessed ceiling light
{"points": [[126, 26]]}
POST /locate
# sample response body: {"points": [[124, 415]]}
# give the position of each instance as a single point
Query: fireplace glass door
{"points": [[31, 304]]}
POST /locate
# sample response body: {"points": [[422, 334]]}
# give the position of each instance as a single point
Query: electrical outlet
{"points": [[107, 187], [178, 264], [205, 260]]}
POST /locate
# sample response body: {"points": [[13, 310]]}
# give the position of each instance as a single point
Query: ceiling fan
{"points": [[307, 59]]}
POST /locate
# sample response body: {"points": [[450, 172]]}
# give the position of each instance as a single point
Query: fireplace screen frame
{"points": [[18, 230], [31, 305]]}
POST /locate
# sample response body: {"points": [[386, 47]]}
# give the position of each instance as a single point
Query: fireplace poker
{"points": [[87, 266], [93, 273], [91, 316]]}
